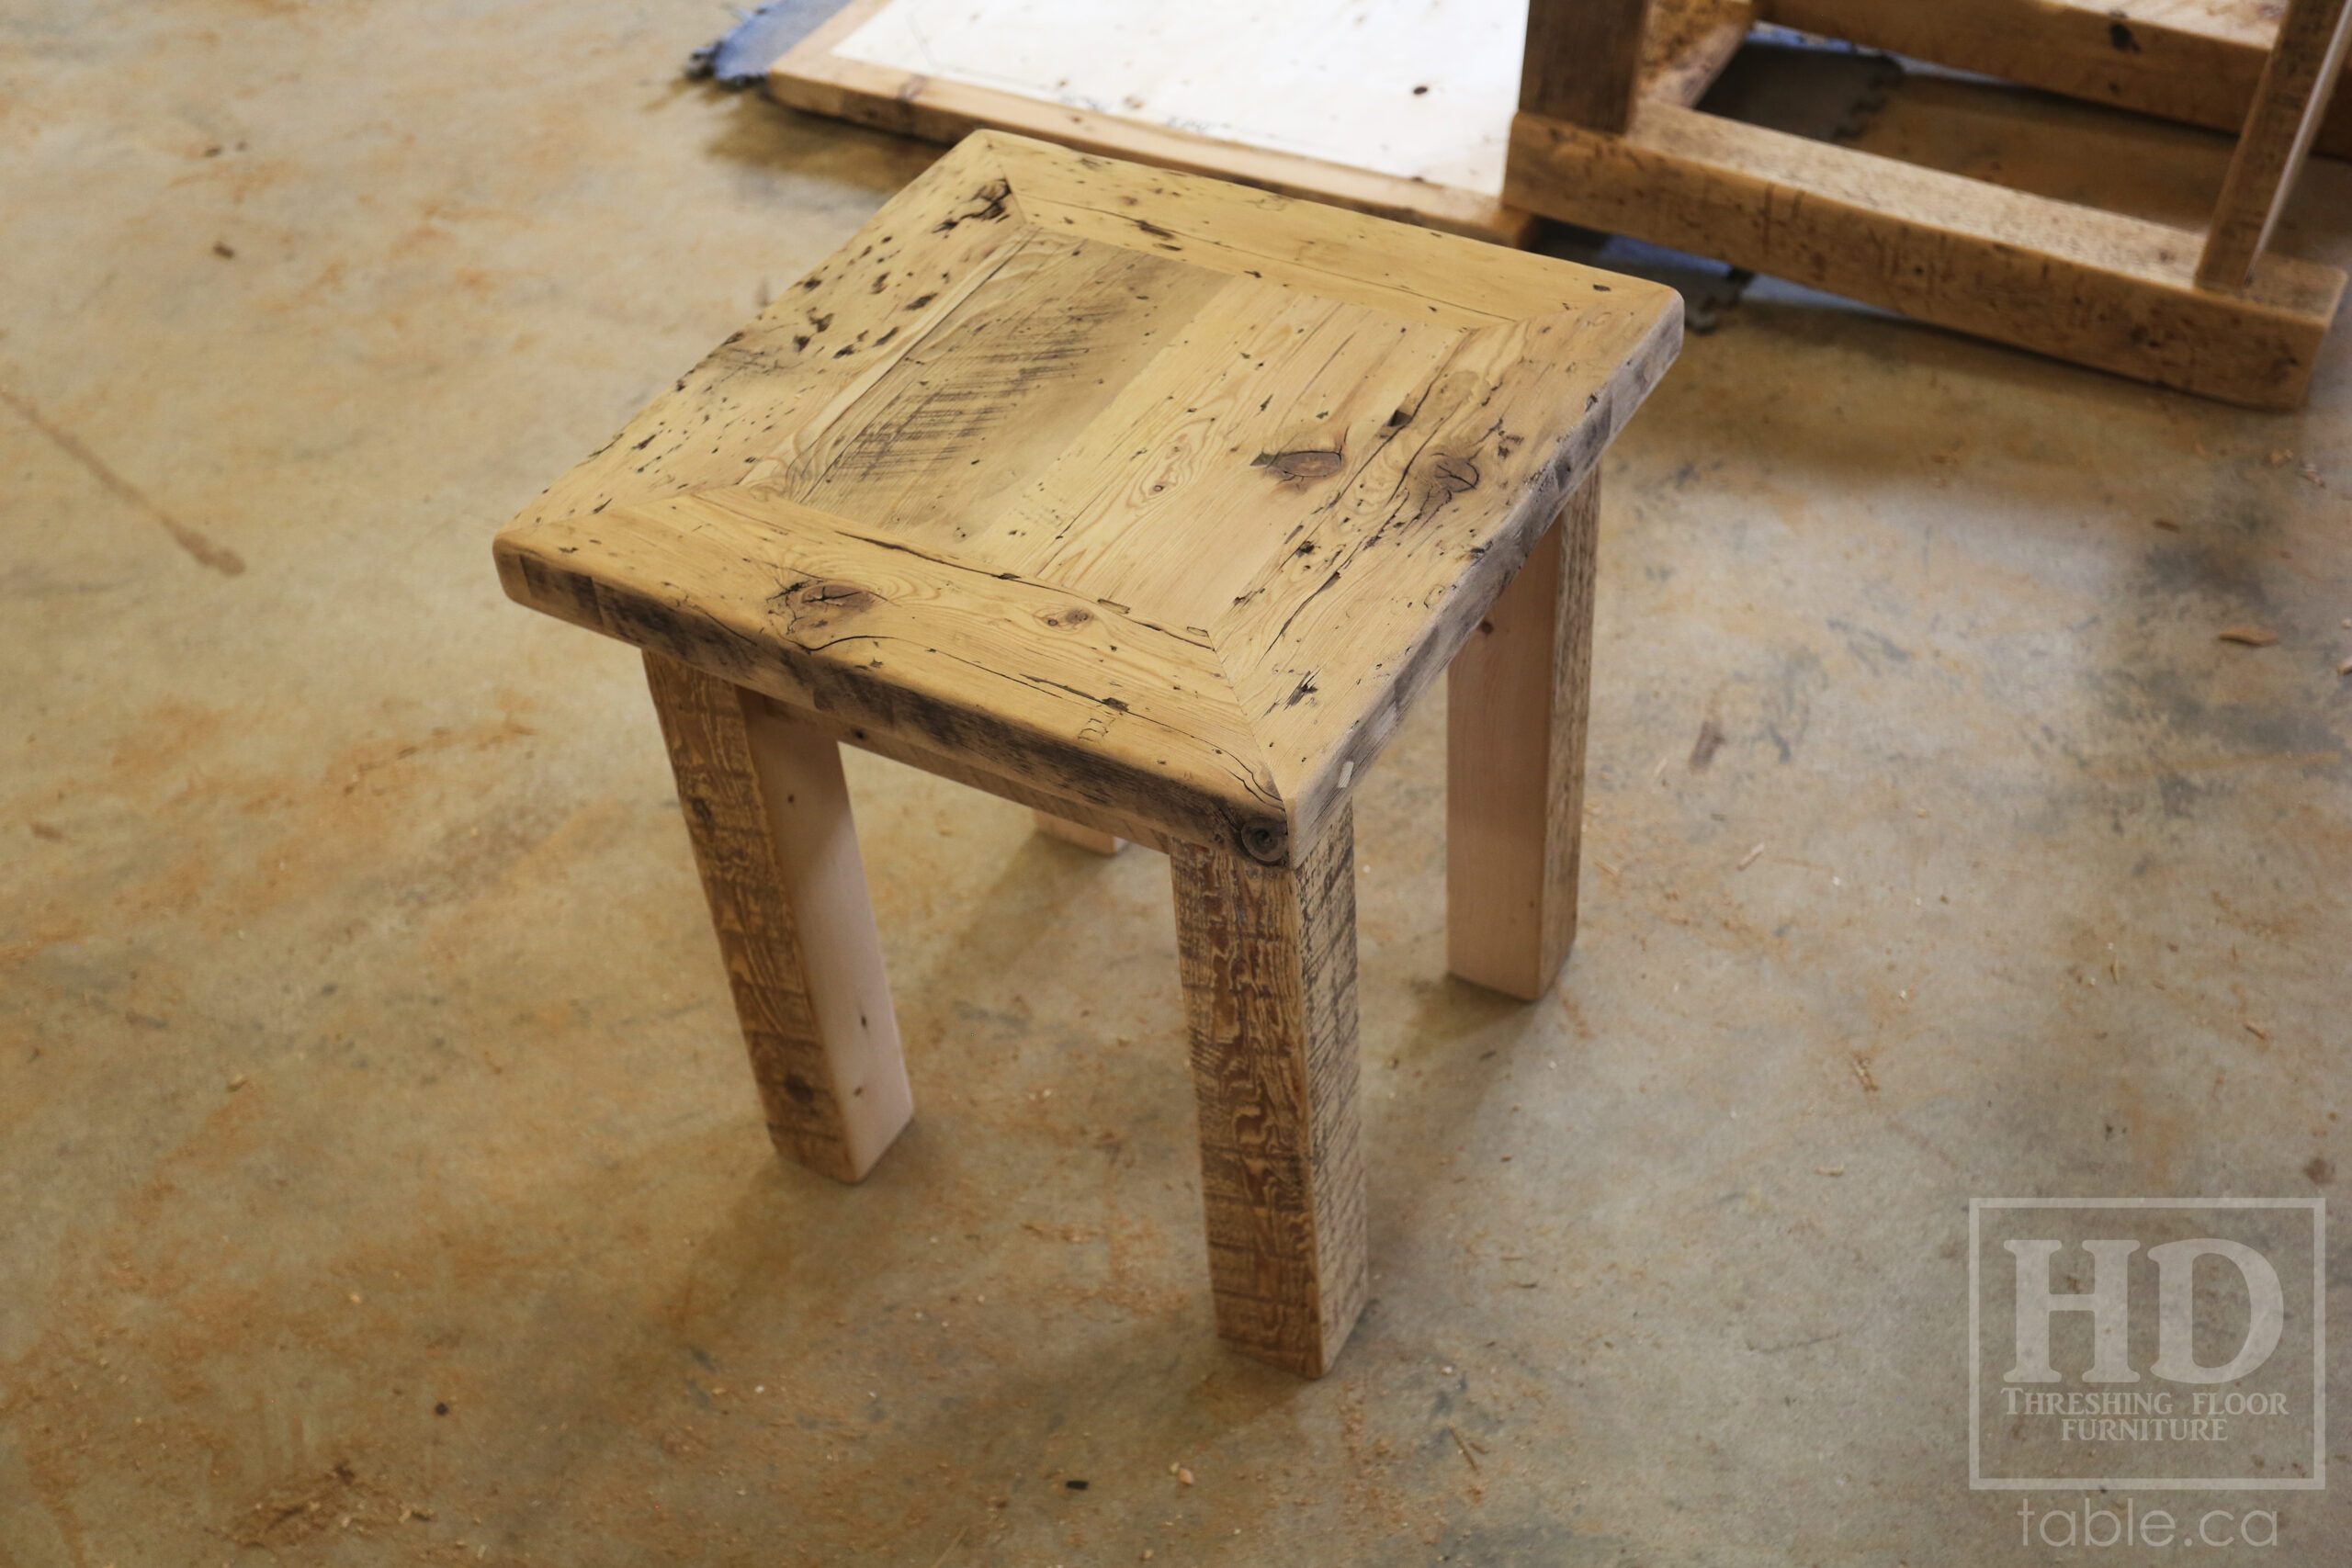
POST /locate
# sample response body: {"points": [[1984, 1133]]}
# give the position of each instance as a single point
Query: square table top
{"points": [[1136, 488]]}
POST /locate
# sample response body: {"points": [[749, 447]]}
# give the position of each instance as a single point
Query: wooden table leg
{"points": [[1077, 833], [1516, 699], [769, 813], [1269, 961]]}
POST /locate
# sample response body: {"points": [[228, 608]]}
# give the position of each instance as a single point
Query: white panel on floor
{"points": [[1421, 89]]}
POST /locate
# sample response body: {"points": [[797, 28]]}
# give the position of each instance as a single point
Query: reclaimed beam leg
{"points": [[768, 812], [1269, 961], [1077, 833], [2287, 107], [1583, 61], [1516, 700]]}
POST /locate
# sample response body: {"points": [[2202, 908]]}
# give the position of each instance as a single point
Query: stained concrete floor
{"points": [[380, 1180]]}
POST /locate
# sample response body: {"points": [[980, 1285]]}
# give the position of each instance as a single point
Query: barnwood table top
{"points": [[1134, 489]]}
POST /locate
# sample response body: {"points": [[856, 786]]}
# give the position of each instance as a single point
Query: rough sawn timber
{"points": [[2102, 289], [2295, 89], [2198, 60], [1268, 956]]}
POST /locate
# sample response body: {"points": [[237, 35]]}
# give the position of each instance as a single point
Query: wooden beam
{"points": [[2295, 89], [1688, 43], [1583, 63], [2200, 62], [1268, 955], [2096, 288], [769, 815], [1516, 701]]}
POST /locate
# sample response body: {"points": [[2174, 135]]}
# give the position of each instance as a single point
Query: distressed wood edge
{"points": [[1559, 170], [811, 77], [551, 567], [1054, 182], [1326, 784]]}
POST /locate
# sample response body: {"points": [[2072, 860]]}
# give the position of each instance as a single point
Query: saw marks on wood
{"points": [[1269, 961]]}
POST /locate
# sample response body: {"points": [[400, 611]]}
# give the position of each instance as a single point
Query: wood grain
{"points": [[973, 409], [1688, 43], [741, 413], [1325, 251], [2198, 60], [1262, 372], [769, 816], [2096, 288], [1517, 696], [1027, 680], [1583, 61], [1281, 456], [1440, 517], [2296, 86], [1268, 956]]}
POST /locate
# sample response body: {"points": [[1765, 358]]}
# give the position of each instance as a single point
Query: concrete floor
{"points": [[381, 1181]]}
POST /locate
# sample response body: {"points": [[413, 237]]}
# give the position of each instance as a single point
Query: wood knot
{"points": [[1455, 476], [1301, 464], [820, 602], [1072, 615]]}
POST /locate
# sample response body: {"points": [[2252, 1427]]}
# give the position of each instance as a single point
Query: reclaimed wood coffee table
{"points": [[1151, 502]]}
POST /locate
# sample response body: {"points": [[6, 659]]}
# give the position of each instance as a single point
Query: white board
{"points": [[1329, 79]]}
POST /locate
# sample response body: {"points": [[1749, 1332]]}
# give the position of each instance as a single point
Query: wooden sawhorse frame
{"points": [[2196, 60], [2211, 314]]}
